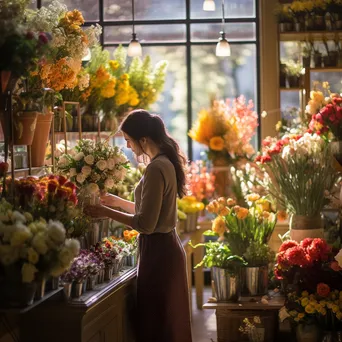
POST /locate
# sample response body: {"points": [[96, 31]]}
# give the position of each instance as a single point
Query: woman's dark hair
{"points": [[141, 124]]}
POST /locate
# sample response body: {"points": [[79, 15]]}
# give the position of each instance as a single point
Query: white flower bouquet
{"points": [[36, 249], [95, 167]]}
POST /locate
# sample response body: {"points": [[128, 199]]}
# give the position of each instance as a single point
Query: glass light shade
{"points": [[134, 47], [209, 5], [223, 47]]}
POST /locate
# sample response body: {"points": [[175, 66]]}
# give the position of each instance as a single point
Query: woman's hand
{"points": [[96, 211], [111, 200]]}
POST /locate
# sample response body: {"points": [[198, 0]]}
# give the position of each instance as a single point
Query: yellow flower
{"points": [[124, 77], [335, 308], [224, 211], [114, 65], [32, 256], [323, 312], [301, 315], [145, 93], [219, 226], [305, 301], [305, 294], [28, 272], [252, 197], [309, 309], [263, 205], [19, 237], [216, 143], [242, 213]]}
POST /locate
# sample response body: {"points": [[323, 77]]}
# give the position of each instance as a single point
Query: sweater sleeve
{"points": [[146, 219]]}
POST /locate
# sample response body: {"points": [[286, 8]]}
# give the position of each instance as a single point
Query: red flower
{"points": [[265, 159], [63, 192], [318, 250], [274, 150], [62, 180], [288, 244], [3, 169], [296, 256], [335, 267], [70, 185], [323, 290], [306, 243], [52, 185]]}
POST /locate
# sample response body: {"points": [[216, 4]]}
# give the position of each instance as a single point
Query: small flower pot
{"points": [[67, 290], [108, 273], [254, 280], [338, 25], [299, 27], [282, 27], [288, 27], [91, 282], [309, 25], [282, 75], [294, 81], [77, 289], [227, 286], [100, 277], [317, 60], [331, 60], [306, 61], [40, 289], [319, 23]]}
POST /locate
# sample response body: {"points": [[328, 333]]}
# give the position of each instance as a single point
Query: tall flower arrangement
{"points": [[96, 166], [70, 43], [226, 128], [299, 172]]}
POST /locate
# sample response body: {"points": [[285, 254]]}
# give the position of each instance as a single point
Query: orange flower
{"points": [[219, 226], [323, 290], [281, 215], [242, 213], [216, 143]]}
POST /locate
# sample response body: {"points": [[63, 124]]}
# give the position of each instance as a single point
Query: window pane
{"points": [[89, 8], [221, 78], [232, 9], [172, 102], [290, 105], [145, 33], [236, 31], [144, 9]]}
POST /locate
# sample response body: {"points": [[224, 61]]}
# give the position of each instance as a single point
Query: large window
{"points": [[185, 35]]}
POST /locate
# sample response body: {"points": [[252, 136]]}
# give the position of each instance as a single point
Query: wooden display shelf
{"points": [[327, 69], [291, 89], [310, 35]]}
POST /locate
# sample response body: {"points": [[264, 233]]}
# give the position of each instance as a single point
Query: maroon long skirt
{"points": [[162, 292]]}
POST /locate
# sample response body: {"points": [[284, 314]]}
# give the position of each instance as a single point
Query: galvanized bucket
{"points": [[227, 286], [255, 281], [191, 222]]}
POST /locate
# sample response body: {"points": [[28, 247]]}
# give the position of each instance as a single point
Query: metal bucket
{"points": [[255, 281], [227, 286]]}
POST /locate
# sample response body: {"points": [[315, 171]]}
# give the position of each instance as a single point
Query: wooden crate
{"points": [[229, 317]]}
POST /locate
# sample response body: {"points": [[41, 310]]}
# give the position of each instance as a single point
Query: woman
{"points": [[162, 292]]}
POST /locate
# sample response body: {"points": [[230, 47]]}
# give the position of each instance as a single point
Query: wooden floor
{"points": [[203, 321]]}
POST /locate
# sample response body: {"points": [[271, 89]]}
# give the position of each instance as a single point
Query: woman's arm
{"points": [[110, 200], [99, 211]]}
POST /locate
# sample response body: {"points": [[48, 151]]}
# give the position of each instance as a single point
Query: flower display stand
{"points": [[229, 317]]}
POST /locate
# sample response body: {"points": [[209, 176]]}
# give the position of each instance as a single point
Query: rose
{"points": [[110, 163], [63, 161], [323, 290], [109, 183], [93, 188], [79, 156], [101, 164], [73, 172], [89, 159], [86, 170], [80, 178]]}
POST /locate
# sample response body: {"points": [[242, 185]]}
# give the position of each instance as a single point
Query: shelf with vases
{"points": [[310, 35], [326, 69]]}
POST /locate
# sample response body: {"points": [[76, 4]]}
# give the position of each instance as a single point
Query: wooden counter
{"points": [[106, 314]]}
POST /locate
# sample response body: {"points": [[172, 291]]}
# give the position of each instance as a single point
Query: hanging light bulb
{"points": [[222, 47], [209, 5], [134, 48]]}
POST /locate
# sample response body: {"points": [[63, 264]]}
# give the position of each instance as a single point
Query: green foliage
{"points": [[219, 255], [258, 254]]}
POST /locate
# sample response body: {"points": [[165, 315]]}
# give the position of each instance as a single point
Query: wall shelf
{"points": [[310, 35], [291, 89]]}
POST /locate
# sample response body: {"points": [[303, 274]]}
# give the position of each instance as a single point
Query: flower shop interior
{"points": [[252, 92]]}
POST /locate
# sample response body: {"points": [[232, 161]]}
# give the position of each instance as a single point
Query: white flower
{"points": [[80, 178], [338, 258], [39, 244], [73, 245], [27, 272], [89, 159], [109, 183], [66, 256], [122, 158], [86, 170], [101, 164], [63, 161], [32, 256], [73, 172], [93, 188], [110, 163], [79, 156], [56, 231]]}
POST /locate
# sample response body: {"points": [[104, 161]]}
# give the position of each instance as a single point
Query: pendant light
{"points": [[222, 47], [134, 47], [209, 5]]}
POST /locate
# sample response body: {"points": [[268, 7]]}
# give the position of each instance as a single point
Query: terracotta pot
{"points": [[40, 139], [24, 126], [302, 227]]}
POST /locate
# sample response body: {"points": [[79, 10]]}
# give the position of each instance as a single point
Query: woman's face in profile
{"points": [[131, 144]]}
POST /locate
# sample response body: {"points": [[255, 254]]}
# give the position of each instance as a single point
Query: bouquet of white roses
{"points": [[95, 167], [35, 248]]}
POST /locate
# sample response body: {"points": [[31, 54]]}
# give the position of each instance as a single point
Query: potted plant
{"points": [[294, 72], [292, 163], [284, 18], [306, 55], [255, 273], [225, 270]]}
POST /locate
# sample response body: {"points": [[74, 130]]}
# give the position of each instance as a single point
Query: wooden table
{"points": [[229, 317]]}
